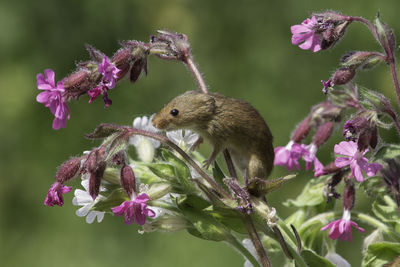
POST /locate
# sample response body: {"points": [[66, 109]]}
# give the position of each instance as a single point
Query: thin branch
{"points": [[196, 73], [229, 163], [171, 144]]}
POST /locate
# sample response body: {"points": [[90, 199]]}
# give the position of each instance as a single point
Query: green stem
{"points": [[239, 246]]}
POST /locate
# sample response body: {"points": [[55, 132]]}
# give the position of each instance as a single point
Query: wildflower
{"points": [[55, 194], [342, 228], [84, 199], [144, 146], [52, 98], [184, 139], [135, 209], [326, 85], [109, 73], [356, 160], [289, 155], [310, 158], [305, 35]]}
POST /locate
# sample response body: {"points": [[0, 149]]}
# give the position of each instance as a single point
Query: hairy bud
{"points": [[95, 180], [128, 180], [302, 130], [349, 196], [343, 75], [68, 170], [323, 133]]}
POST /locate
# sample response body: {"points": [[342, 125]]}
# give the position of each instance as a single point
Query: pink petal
{"points": [[49, 74], [307, 43], [316, 43], [299, 29], [356, 171], [346, 148], [43, 97], [341, 162]]}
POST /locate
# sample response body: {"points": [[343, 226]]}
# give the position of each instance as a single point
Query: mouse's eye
{"points": [[174, 112]]}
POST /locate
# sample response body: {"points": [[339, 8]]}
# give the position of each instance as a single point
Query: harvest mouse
{"points": [[227, 123]]}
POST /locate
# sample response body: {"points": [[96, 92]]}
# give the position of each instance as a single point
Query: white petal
{"points": [[83, 211], [100, 216], [137, 122], [90, 217]]}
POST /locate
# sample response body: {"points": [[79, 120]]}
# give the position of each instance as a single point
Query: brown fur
{"points": [[227, 123]]}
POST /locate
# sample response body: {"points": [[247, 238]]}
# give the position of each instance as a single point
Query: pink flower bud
{"points": [[349, 196], [78, 80], [128, 180], [343, 75], [323, 133], [68, 170], [302, 130], [95, 180]]}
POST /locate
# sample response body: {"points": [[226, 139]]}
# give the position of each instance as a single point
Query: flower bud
{"points": [[136, 70], [78, 80], [333, 33], [158, 190], [343, 75], [122, 56], [361, 59], [386, 36], [323, 133], [349, 196], [95, 180], [128, 181], [167, 223], [68, 170], [302, 130]]}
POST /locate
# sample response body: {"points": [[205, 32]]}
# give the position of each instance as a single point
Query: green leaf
{"points": [[219, 176], [114, 199], [206, 226], [312, 195], [182, 170], [388, 151], [119, 143], [296, 218], [312, 259], [378, 254], [386, 210], [163, 170], [230, 218]]}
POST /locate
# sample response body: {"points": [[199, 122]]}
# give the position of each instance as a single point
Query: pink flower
{"points": [[356, 160], [342, 228], [52, 98], [55, 194], [109, 72], [135, 210], [310, 158], [289, 155], [305, 33]]}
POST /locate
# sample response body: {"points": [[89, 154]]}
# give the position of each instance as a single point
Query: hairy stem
{"points": [[366, 23], [393, 70], [171, 144], [196, 73], [262, 254]]}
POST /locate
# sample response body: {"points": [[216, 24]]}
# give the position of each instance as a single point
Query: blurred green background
{"points": [[244, 50]]}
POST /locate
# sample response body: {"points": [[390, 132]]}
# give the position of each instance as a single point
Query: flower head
{"points": [[342, 228], [289, 155], [184, 139], [356, 160], [52, 98], [310, 158], [144, 146], [84, 199], [109, 74], [135, 210], [55, 194], [305, 35]]}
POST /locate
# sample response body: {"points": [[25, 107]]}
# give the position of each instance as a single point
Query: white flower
{"points": [[145, 146], [83, 198], [184, 139]]}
